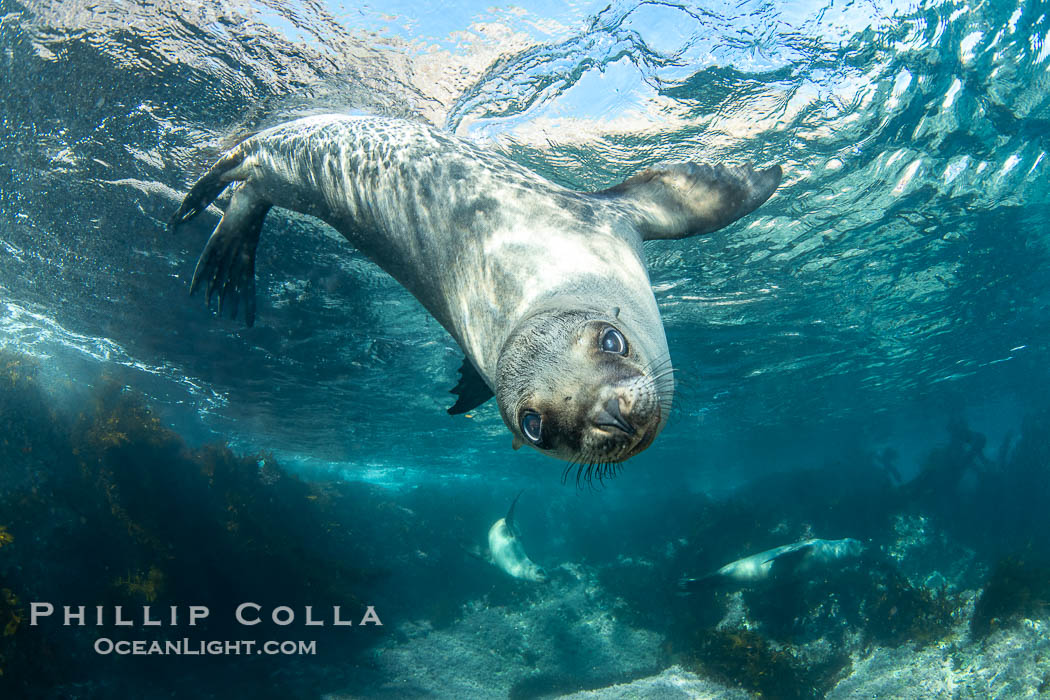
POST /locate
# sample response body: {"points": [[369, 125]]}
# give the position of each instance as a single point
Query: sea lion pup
{"points": [[545, 289], [506, 552], [784, 561]]}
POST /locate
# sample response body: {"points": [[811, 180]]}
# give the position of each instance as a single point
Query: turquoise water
{"points": [[889, 302]]}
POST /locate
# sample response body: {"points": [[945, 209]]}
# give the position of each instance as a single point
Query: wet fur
{"points": [[508, 262]]}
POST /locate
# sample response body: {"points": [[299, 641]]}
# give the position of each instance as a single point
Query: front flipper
{"points": [[227, 264], [789, 563], [471, 389], [687, 199]]}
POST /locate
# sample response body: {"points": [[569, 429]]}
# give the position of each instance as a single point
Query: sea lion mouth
{"points": [[603, 458]]}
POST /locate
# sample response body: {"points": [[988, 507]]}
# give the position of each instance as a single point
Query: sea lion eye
{"points": [[532, 426], [612, 340]]}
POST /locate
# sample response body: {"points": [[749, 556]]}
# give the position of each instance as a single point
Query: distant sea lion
{"points": [[545, 289], [788, 560], [506, 552]]}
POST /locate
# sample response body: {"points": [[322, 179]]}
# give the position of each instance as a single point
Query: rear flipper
{"points": [[227, 264], [207, 188]]}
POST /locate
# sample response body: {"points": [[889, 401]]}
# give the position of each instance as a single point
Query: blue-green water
{"points": [[892, 298]]}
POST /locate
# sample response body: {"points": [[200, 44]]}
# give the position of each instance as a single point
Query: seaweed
{"points": [[746, 659], [104, 505], [10, 614], [24, 655], [1016, 589], [898, 612]]}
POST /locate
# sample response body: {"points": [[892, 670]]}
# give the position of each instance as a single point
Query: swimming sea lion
{"points": [[545, 289], [787, 560], [506, 552]]}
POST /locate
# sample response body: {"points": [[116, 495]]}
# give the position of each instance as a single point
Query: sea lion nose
{"points": [[610, 417]]}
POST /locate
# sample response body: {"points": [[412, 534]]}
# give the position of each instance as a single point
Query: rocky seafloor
{"points": [[570, 643], [1009, 663]]}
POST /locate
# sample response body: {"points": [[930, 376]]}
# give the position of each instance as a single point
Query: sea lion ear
{"points": [[688, 199], [517, 443]]}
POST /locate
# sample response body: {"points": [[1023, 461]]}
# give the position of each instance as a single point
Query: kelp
{"points": [[1017, 589], [102, 504]]}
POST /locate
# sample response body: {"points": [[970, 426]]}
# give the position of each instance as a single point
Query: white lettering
{"points": [[39, 610], [337, 621], [198, 612], [146, 620], [240, 613], [118, 620], [79, 615], [286, 615], [370, 616], [309, 617]]}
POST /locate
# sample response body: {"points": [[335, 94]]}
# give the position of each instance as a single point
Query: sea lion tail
{"points": [[687, 584], [227, 263]]}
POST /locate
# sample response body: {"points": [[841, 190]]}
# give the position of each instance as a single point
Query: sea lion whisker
{"points": [[657, 364], [663, 367], [585, 473], [658, 379], [663, 371], [565, 474], [580, 467]]}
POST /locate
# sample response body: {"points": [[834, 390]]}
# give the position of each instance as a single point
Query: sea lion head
{"points": [[536, 573], [588, 387]]}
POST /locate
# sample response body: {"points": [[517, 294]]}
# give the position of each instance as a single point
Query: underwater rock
{"points": [[565, 641], [1013, 663], [926, 554], [674, 683]]}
